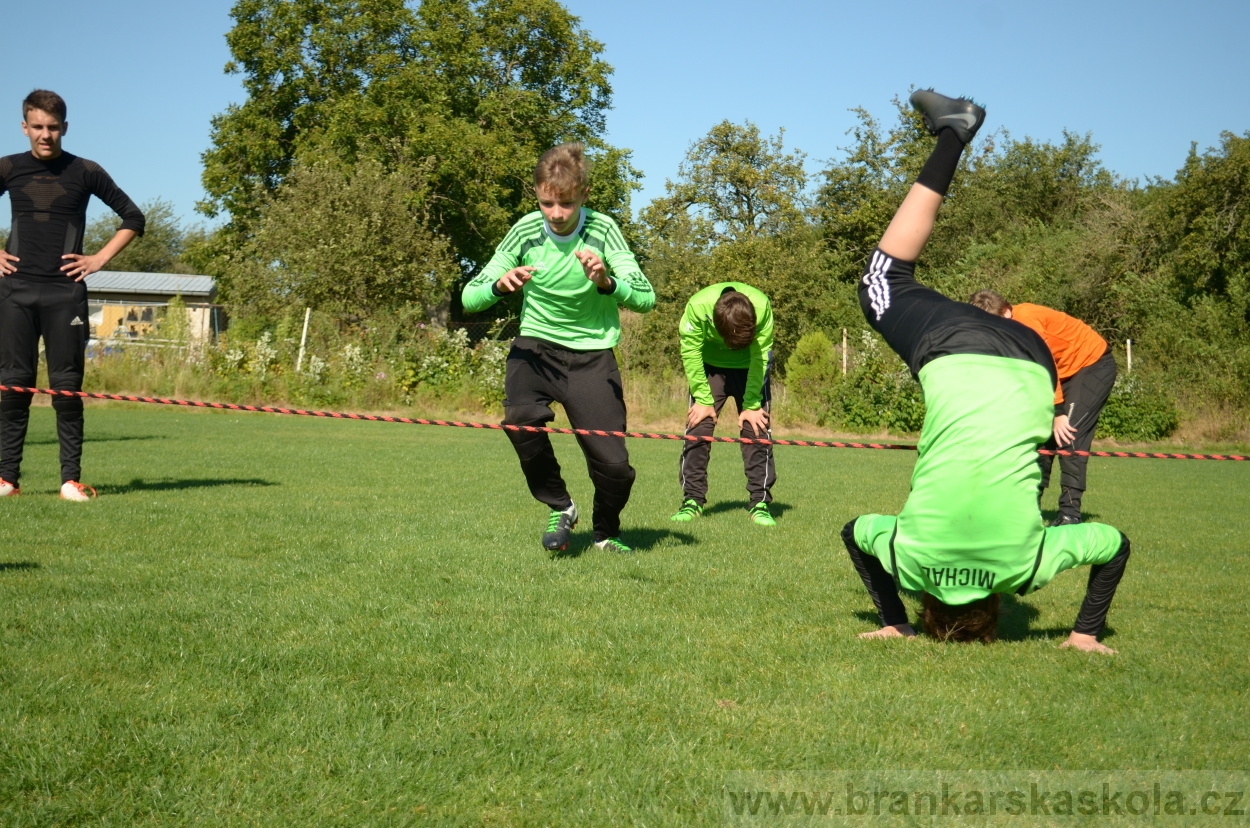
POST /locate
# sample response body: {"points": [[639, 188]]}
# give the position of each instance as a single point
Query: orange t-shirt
{"points": [[1072, 343]]}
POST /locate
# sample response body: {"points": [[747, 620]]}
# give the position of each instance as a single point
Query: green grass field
{"points": [[273, 620]]}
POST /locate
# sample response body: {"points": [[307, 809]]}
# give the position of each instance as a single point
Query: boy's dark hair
{"points": [[961, 623], [988, 300], [734, 318], [45, 100], [563, 169]]}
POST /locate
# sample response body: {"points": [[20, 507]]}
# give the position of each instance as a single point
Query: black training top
{"points": [[49, 201]]}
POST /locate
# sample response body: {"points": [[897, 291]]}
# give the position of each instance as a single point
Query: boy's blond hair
{"points": [[563, 169]]}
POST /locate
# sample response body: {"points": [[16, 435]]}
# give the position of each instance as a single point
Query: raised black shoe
{"points": [[939, 111]]}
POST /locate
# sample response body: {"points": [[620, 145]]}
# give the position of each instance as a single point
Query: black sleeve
{"points": [[103, 188], [879, 583], [1103, 580]]}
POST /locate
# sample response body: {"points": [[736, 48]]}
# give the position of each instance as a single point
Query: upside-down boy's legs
{"points": [[897, 306], [912, 224], [881, 588]]}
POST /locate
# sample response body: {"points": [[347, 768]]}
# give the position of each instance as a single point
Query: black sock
{"points": [[944, 160]]}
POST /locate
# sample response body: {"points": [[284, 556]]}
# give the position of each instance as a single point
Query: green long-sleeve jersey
{"points": [[560, 304], [971, 526], [702, 343]]}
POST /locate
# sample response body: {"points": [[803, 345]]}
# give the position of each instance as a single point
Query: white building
{"points": [[127, 305]]}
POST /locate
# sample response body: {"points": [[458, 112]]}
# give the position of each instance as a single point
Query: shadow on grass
{"points": [[870, 616], [777, 508], [1016, 616], [639, 540], [139, 485], [124, 438], [18, 565]]}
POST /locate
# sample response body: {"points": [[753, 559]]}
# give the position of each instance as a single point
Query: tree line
{"points": [[384, 148]]}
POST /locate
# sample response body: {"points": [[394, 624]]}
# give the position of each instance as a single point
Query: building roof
{"points": [[167, 284]]}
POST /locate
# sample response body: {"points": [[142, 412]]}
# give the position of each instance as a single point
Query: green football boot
{"points": [[690, 509], [760, 515]]}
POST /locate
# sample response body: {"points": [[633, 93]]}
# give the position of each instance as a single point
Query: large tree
{"points": [[470, 92], [734, 184], [736, 212], [351, 241], [159, 250]]}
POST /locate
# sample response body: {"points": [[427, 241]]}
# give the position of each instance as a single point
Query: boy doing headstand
{"points": [[726, 346], [42, 293], [970, 529], [574, 270]]}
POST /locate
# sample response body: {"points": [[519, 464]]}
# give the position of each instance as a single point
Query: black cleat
{"points": [[559, 525], [1065, 520], [960, 114]]}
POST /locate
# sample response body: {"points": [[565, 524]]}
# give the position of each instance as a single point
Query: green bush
{"points": [[396, 361], [878, 391], [1137, 410], [442, 361], [811, 371]]}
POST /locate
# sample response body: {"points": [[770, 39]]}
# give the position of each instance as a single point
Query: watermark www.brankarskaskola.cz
{"points": [[954, 795]]}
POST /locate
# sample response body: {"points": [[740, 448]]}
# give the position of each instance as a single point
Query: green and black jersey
{"points": [[560, 305], [702, 343], [971, 525]]}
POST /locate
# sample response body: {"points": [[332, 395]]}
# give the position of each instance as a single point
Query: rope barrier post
{"points": [[844, 352], [1128, 346], [303, 339]]}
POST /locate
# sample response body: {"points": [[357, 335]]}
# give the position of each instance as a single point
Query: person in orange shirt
{"points": [[1087, 372]]}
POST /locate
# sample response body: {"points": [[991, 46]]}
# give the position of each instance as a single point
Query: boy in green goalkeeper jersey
{"points": [[726, 348], [574, 270], [971, 529]]}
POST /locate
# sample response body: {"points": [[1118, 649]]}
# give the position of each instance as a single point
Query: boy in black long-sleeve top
{"points": [[42, 293]]}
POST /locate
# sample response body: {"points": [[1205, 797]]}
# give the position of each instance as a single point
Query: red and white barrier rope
{"points": [[644, 435]]}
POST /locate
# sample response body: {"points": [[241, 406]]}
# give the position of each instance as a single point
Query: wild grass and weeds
{"points": [[420, 367]]}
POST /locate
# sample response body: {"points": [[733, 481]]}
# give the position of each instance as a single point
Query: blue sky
{"points": [[143, 78]]}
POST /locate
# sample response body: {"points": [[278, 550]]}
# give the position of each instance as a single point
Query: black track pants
{"points": [[1103, 581], [57, 312], [588, 385], [879, 583], [1084, 395], [757, 460]]}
